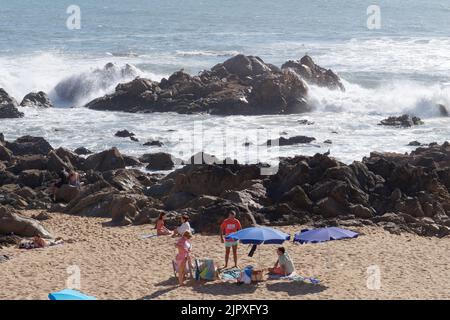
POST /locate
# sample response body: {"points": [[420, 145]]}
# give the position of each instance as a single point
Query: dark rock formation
{"points": [[241, 85], [82, 151], [402, 121], [282, 141], [8, 106], [314, 74], [124, 134], [36, 99]]}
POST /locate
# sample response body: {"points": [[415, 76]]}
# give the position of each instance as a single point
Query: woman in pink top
{"points": [[161, 229], [183, 257]]}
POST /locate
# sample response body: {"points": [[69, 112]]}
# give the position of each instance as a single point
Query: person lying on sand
{"points": [[228, 226], [284, 265], [161, 229], [39, 242], [183, 258], [185, 226]]}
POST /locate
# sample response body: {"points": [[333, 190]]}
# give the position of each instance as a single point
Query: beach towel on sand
{"points": [[295, 277], [148, 236], [230, 274]]}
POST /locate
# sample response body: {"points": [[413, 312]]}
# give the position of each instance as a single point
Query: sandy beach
{"points": [[115, 263]]}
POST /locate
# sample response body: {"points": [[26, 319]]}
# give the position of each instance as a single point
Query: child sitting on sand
{"points": [[161, 229], [284, 265]]}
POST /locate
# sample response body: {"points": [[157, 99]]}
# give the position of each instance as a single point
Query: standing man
{"points": [[228, 226]]}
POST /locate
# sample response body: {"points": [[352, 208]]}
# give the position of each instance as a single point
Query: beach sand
{"points": [[115, 263]]}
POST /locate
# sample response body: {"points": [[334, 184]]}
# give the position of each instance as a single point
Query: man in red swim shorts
{"points": [[228, 226]]}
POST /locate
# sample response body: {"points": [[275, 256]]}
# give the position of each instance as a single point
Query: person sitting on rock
{"points": [[185, 226], [74, 179], [161, 229], [284, 265], [63, 179]]}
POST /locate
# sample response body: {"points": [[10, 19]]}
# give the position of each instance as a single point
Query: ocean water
{"points": [[404, 66]]}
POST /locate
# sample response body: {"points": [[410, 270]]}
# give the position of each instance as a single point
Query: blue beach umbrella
{"points": [[69, 294], [324, 234], [259, 235]]}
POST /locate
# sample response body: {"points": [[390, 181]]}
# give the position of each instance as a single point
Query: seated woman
{"points": [[185, 226], [63, 179], [284, 265], [183, 258], [161, 229], [74, 179]]}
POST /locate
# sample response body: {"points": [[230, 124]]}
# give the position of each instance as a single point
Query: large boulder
{"points": [[158, 161], [106, 160], [8, 106], [67, 193], [11, 222], [36, 99], [28, 145]]}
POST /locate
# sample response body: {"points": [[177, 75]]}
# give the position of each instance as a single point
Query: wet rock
{"points": [[124, 134], [153, 143], [402, 121], [36, 99], [414, 144], [8, 106], [305, 122], [314, 74], [282, 141], [82, 151]]}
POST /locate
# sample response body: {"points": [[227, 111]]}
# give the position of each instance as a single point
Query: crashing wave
{"points": [[77, 89]]}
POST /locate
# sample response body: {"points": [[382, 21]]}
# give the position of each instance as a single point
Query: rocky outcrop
{"points": [[399, 192], [241, 85], [36, 99], [8, 106]]}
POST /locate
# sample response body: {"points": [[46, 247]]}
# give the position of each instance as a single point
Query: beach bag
{"points": [[205, 269]]}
